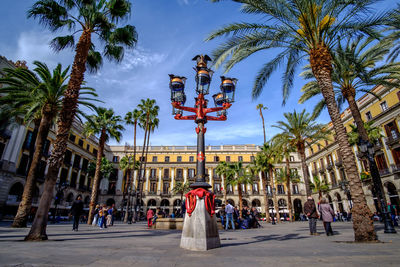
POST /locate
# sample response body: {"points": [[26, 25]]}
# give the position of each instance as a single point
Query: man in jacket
{"points": [[76, 212], [311, 211]]}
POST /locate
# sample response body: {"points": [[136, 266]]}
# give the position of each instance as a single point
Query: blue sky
{"points": [[171, 33]]}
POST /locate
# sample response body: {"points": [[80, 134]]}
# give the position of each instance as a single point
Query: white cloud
{"points": [[141, 57]]}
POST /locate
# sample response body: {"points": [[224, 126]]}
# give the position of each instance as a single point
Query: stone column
{"points": [[13, 148], [260, 188], [70, 168], [79, 173], [210, 174], [146, 185], [159, 181], [185, 172], [172, 179], [120, 178]]}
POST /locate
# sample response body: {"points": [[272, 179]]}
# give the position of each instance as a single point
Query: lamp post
{"points": [[368, 150], [273, 214], [344, 186], [59, 196], [200, 195]]}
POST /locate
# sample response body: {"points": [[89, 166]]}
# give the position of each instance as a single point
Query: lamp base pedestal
{"points": [[200, 232]]}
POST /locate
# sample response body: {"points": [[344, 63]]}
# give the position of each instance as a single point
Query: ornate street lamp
{"points": [[368, 150], [208, 237]]}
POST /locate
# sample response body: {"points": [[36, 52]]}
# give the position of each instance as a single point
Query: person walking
{"points": [[312, 214], [150, 215], [327, 215], [102, 216], [229, 216], [76, 211]]}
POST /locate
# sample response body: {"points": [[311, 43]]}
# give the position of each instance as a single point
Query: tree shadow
{"points": [[258, 239]]}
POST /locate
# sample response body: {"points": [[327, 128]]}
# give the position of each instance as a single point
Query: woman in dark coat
{"points": [[327, 215]]}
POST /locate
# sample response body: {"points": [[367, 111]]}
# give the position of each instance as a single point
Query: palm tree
{"points": [[305, 29], [374, 133], [319, 186], [108, 125], [87, 17], [127, 166], [393, 24], [181, 188], [37, 95], [149, 111], [223, 169], [132, 118], [260, 164], [301, 129], [270, 157], [242, 177], [261, 107], [285, 147]]}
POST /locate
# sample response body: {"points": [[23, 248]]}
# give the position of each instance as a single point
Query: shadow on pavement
{"points": [[264, 238]]}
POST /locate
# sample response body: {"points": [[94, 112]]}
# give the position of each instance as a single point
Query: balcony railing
{"points": [[256, 192], [395, 168], [338, 163], [321, 170], [392, 139], [329, 167], [384, 172], [165, 194]]}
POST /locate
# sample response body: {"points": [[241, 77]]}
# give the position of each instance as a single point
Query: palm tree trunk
{"points": [[302, 154], [24, 207], [65, 119], [321, 64], [36, 126], [145, 163], [240, 201], [276, 207], [138, 203], [133, 173], [96, 179], [126, 192], [266, 199], [289, 191], [262, 118]]}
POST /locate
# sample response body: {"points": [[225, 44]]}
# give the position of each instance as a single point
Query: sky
{"points": [[171, 33]]}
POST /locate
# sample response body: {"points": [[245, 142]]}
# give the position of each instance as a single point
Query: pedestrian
{"points": [[229, 215], [222, 215], [109, 216], [327, 215], [103, 215], [76, 211], [311, 211], [393, 213], [150, 215], [96, 215]]}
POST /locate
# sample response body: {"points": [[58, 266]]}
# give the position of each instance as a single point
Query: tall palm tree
{"points": [[242, 177], [374, 133], [149, 111], [132, 118], [223, 169], [126, 164], [319, 186], [108, 125], [260, 108], [260, 164], [301, 129], [87, 17], [285, 147], [305, 29], [37, 95]]}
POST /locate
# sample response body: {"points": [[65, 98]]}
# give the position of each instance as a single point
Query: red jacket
{"points": [[150, 214]]}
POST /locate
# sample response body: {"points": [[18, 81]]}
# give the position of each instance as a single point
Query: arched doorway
{"points": [[393, 195], [270, 203], [110, 202], [152, 203], [245, 203], [177, 203], [298, 208], [330, 202], [15, 193], [69, 199], [256, 203], [340, 203], [230, 201], [165, 206]]}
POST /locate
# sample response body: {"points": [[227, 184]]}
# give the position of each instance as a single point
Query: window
{"points": [[312, 150], [243, 187], [291, 158], [217, 187], [191, 158], [46, 147], [179, 173], [95, 152], [216, 158], [115, 159], [165, 188], [269, 190], [368, 116], [228, 158], [77, 161], [166, 159], [153, 173], [229, 189], [191, 173], [154, 159], [333, 178], [153, 187], [251, 158], [28, 139], [87, 147], [281, 189], [85, 164], [295, 189], [319, 147], [384, 106], [240, 158], [166, 173], [68, 157], [80, 142], [23, 164], [74, 177], [179, 159], [72, 137], [255, 188]]}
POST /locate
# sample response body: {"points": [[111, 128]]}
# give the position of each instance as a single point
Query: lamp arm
{"points": [[180, 117], [212, 118], [178, 106], [224, 106]]}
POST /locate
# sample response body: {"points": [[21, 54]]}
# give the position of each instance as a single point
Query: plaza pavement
{"points": [[287, 244]]}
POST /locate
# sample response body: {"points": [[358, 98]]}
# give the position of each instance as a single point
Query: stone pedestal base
{"points": [[200, 230]]}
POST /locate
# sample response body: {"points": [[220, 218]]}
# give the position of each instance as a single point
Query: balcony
{"points": [[256, 192], [229, 193], [329, 167], [218, 193], [151, 193], [392, 139], [338, 163], [384, 172], [166, 179], [179, 178], [314, 172], [245, 194], [321, 170], [165, 194]]}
